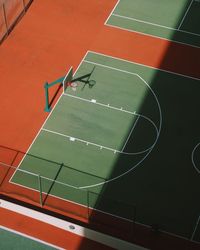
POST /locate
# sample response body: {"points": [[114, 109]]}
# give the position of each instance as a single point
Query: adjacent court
{"points": [[174, 20], [10, 238], [106, 138]]}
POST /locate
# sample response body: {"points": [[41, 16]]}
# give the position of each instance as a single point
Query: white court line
{"points": [[183, 19], [193, 162], [111, 13], [80, 140], [101, 104], [134, 125], [159, 110], [151, 35], [157, 25], [141, 21], [37, 135], [140, 64], [195, 229], [147, 150], [154, 36]]}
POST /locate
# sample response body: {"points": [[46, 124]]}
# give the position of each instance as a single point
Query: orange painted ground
{"points": [[46, 232], [149, 51], [51, 37]]}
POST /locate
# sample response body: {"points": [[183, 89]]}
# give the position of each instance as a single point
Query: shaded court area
{"points": [[176, 21], [75, 159], [142, 176]]}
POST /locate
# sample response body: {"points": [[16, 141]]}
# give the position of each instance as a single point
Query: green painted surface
{"points": [[90, 122], [164, 186], [166, 13], [10, 240], [173, 20]]}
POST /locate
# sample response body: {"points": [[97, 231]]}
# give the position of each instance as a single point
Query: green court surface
{"points": [[130, 139], [173, 20], [14, 240]]}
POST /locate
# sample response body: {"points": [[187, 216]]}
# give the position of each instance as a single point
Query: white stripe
{"points": [[71, 227], [78, 139], [185, 15], [157, 25], [140, 64], [195, 229], [130, 133], [141, 21], [112, 12]]}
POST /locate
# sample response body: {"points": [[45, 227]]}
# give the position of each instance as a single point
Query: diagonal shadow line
{"points": [[52, 184]]}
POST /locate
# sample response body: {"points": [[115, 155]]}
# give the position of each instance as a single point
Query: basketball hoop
{"points": [[73, 85]]}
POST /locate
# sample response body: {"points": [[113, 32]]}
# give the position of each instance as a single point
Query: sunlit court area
{"points": [[99, 132]]}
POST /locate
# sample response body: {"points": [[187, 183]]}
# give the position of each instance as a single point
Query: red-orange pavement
{"points": [[47, 233], [54, 35], [51, 37], [149, 51]]}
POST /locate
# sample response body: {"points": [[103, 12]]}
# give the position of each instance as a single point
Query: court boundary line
{"points": [[118, 1], [160, 125], [98, 184], [154, 24], [101, 54], [121, 109], [37, 135], [143, 65], [133, 167], [154, 36]]}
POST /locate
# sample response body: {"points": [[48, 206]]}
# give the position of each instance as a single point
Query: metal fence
{"points": [[64, 198], [10, 13]]}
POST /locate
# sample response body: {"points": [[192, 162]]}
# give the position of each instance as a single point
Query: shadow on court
{"points": [[161, 192]]}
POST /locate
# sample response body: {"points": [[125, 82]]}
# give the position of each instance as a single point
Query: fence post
{"points": [[88, 204], [5, 18], [47, 105], [40, 189]]}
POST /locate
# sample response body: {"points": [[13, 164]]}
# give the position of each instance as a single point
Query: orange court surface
{"points": [[49, 38]]}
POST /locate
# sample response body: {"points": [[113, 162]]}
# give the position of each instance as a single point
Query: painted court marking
{"points": [[147, 151], [134, 125], [192, 157], [184, 17], [154, 24]]}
